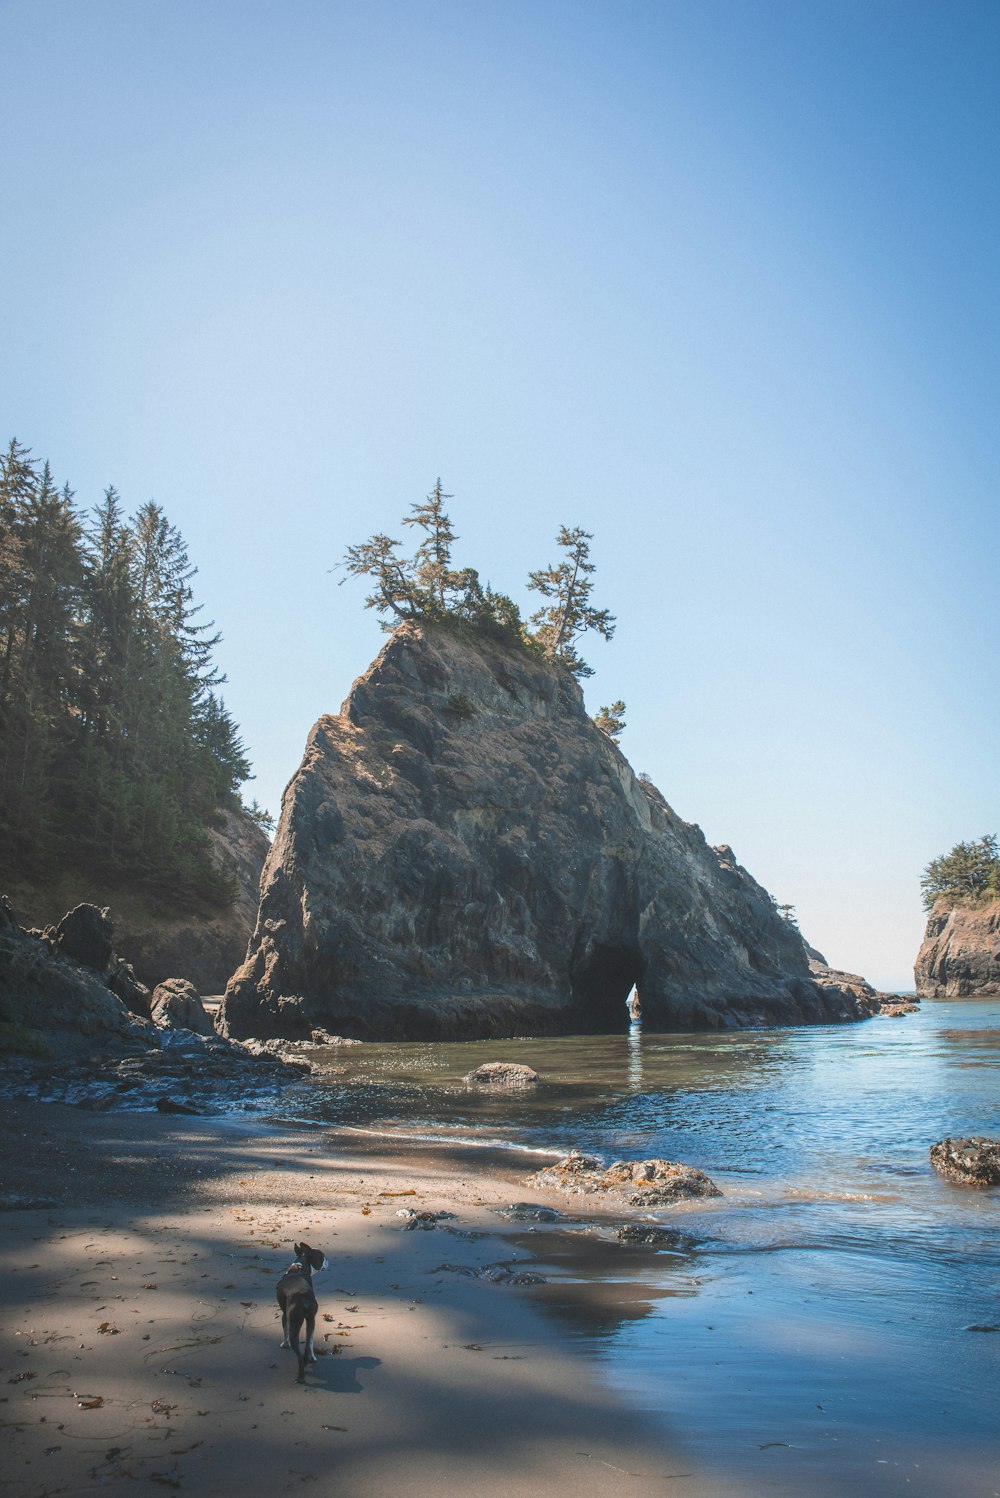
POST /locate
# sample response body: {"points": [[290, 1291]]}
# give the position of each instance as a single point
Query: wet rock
{"points": [[171, 1105], [529, 1212], [645, 1233], [176, 1005], [646, 1183], [11, 1202], [502, 1074], [968, 1162], [893, 1007], [423, 1220], [323, 1037], [124, 984]]}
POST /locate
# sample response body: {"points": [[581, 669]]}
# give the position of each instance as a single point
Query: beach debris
{"points": [[982, 1327], [968, 1162], [642, 1183], [10, 1202], [423, 1220], [502, 1074], [167, 1104], [89, 1401]]}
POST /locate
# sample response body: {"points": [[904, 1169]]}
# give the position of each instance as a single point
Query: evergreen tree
{"points": [[569, 614], [611, 720], [969, 874], [116, 751], [431, 564]]}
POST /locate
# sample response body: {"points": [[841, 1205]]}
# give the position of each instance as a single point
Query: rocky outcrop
{"points": [[463, 853], [53, 1005], [206, 946], [960, 954]]}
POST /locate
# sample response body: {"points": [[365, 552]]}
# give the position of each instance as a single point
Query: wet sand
{"points": [[141, 1335]]}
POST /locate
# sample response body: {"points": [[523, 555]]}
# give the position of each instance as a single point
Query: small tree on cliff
{"points": [[569, 613], [431, 563], [611, 720], [425, 586], [970, 873]]}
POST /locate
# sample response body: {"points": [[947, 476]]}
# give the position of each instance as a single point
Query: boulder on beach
{"points": [[968, 1162], [647, 1183], [177, 1006], [502, 1074]]}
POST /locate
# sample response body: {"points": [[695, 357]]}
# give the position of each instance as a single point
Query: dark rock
{"points": [[502, 1074], [122, 981], [860, 997], [177, 1005], [960, 954], [529, 1212], [500, 871], [171, 1105], [968, 1162], [323, 1037], [653, 1237], [86, 935]]}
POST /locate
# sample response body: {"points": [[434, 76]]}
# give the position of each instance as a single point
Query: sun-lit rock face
{"points": [[960, 954], [463, 853]]}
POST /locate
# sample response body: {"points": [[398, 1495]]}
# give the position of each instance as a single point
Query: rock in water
{"points": [[960, 954], [462, 853], [968, 1162], [502, 1074], [643, 1183]]}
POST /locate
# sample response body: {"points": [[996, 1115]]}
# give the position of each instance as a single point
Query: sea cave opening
{"points": [[603, 981]]}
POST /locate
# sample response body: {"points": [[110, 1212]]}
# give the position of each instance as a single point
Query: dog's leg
{"points": [[284, 1327], [310, 1338], [295, 1321]]}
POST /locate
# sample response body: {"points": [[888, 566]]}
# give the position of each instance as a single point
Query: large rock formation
{"points": [[462, 852], [53, 1005], [204, 946], [960, 954]]}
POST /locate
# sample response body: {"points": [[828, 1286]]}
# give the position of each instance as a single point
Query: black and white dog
{"points": [[297, 1300]]}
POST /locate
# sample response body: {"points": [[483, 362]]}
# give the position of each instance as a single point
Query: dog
{"points": [[297, 1300]]}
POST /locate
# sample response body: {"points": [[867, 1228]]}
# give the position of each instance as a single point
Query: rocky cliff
{"points": [[463, 853], [204, 946], [960, 954]]}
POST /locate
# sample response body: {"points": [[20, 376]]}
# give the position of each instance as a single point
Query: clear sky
{"points": [[717, 281]]}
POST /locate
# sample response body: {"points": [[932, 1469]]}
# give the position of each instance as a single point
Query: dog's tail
{"points": [[296, 1320]]}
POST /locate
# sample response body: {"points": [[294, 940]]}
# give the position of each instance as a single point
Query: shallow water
{"points": [[817, 1339]]}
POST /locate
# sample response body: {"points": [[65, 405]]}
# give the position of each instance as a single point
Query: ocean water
{"points": [[831, 1323]]}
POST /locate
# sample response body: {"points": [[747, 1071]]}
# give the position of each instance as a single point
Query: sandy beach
{"points": [[141, 1335]]}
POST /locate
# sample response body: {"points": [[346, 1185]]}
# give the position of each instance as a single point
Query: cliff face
{"points": [[960, 954], [205, 946], [463, 853]]}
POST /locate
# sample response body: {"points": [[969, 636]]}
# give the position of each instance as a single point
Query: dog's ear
{"points": [[299, 1250]]}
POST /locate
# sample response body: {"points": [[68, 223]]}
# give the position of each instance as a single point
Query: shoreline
{"points": [[148, 1284]]}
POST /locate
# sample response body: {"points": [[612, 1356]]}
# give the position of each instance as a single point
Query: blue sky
{"points": [[716, 281]]}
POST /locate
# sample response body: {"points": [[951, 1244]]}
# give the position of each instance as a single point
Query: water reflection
{"points": [[633, 1064]]}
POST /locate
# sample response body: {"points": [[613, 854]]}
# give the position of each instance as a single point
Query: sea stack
{"points": [[960, 953], [463, 853]]}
